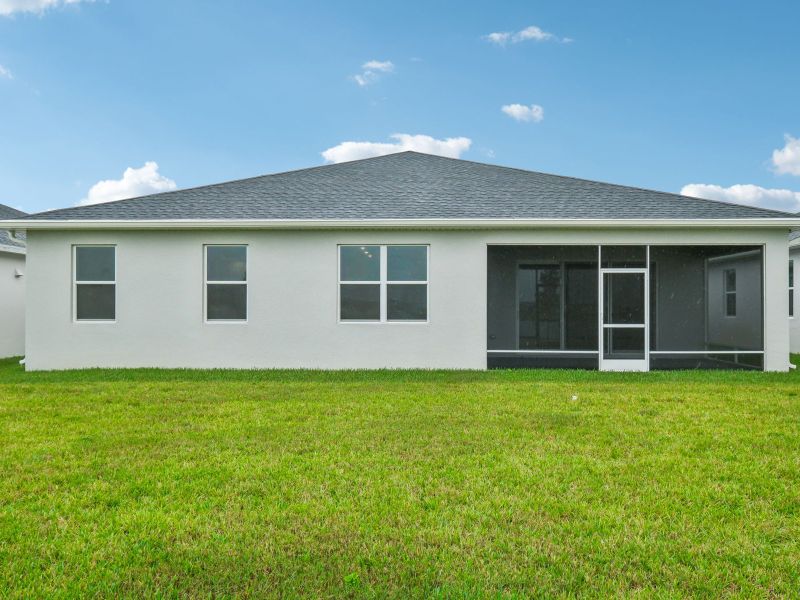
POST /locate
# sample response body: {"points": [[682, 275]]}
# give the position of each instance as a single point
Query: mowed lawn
{"points": [[398, 484]]}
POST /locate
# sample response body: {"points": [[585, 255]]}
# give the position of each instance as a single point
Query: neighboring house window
{"points": [[226, 283], [383, 283], [729, 276], [791, 288], [94, 283]]}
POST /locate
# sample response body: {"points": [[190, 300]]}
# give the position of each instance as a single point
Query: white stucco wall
{"points": [[293, 299], [12, 305], [794, 322]]}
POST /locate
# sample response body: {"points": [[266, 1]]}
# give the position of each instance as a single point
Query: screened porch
{"points": [[625, 307]]}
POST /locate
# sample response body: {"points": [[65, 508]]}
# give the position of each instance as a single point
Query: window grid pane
{"points": [[407, 263], [226, 282], [94, 263], [226, 302], [226, 263], [95, 302], [360, 302], [407, 302], [360, 263], [94, 282], [381, 271]]}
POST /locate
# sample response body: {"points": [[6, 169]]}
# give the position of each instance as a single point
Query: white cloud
{"points": [[787, 159], [452, 147], [134, 182], [9, 7], [385, 66], [751, 195], [5, 73], [532, 32], [519, 112], [372, 70]]}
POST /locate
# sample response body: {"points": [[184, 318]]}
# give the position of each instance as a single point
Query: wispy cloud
{"points": [[10, 7], [520, 112], [530, 33], [452, 147], [372, 71], [786, 161], [751, 195], [5, 73], [134, 182]]}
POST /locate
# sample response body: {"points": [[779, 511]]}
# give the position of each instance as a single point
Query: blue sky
{"points": [[656, 94]]}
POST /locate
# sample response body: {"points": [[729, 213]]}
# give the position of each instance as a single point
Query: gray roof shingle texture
{"points": [[6, 212], [410, 185]]}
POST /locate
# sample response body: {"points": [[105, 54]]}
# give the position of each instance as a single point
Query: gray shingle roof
{"points": [[6, 212], [410, 185]]}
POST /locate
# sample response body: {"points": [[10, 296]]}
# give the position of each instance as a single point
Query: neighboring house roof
{"points": [[407, 186], [6, 241]]}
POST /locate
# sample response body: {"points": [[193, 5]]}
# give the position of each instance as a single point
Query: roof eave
{"points": [[66, 224]]}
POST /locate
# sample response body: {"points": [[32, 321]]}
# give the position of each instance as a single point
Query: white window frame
{"points": [[384, 282], [245, 283], [76, 283], [726, 292], [791, 288]]}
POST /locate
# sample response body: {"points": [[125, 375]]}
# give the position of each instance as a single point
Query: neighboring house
{"points": [[794, 307], [409, 260], [12, 288]]}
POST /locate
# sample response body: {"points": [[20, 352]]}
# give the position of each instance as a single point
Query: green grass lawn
{"points": [[399, 484]]}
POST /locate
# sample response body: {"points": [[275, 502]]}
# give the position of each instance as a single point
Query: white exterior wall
{"points": [[794, 322], [12, 305], [293, 299]]}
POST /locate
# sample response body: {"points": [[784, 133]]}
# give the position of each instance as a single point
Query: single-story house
{"points": [[408, 261], [12, 288], [794, 317]]}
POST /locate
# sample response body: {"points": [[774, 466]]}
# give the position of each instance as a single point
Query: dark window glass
{"points": [[623, 343], [623, 256], [226, 302], [95, 302], [730, 280], [406, 302], [730, 304], [360, 302], [539, 300], [94, 263], [791, 303], [623, 300], [580, 306], [407, 263], [552, 310], [691, 308], [791, 273], [226, 263], [360, 263]]}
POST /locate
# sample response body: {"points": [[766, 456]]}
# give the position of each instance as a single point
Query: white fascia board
{"points": [[31, 224]]}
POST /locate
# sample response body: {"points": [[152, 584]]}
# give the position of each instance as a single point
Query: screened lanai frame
{"points": [[652, 319]]}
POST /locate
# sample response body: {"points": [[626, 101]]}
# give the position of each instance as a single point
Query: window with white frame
{"points": [[226, 282], [729, 283], [94, 283], [791, 288], [383, 283]]}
